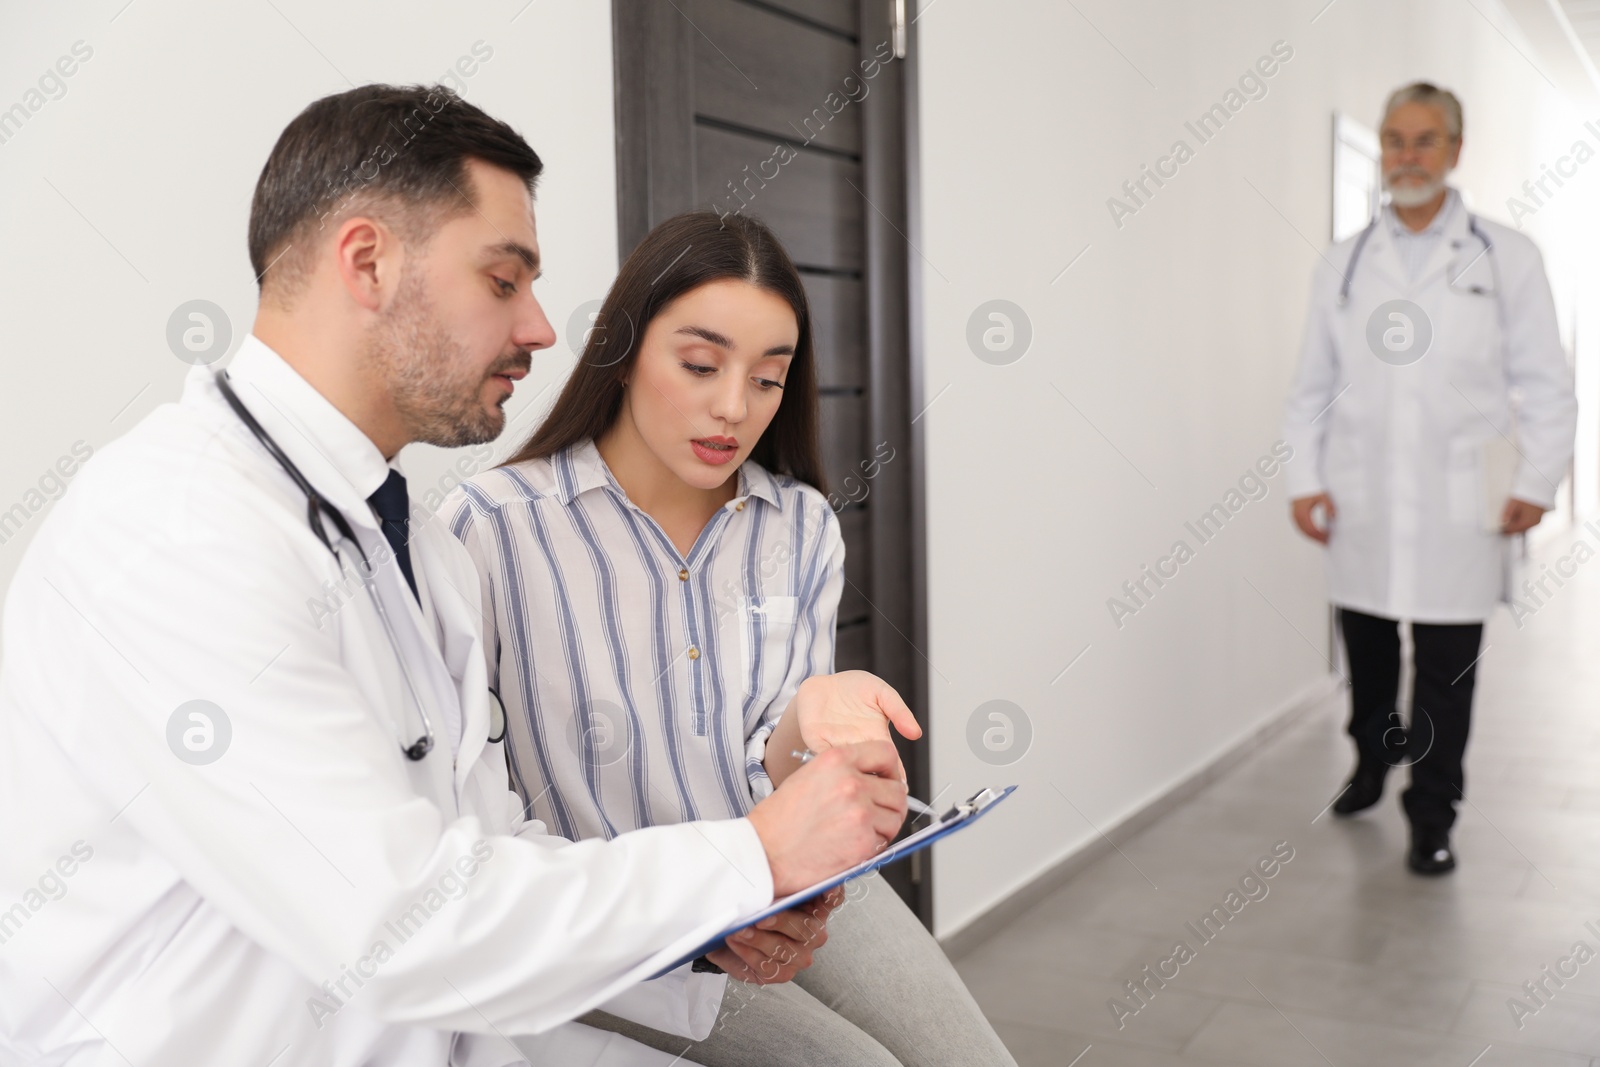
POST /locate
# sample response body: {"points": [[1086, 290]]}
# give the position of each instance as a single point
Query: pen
{"points": [[805, 755]]}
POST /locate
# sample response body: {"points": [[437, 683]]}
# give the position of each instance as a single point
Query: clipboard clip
{"points": [[973, 804]]}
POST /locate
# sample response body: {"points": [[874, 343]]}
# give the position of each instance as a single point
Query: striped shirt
{"points": [[640, 685]]}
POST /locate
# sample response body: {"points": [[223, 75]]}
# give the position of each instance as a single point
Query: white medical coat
{"points": [[1401, 448], [311, 895]]}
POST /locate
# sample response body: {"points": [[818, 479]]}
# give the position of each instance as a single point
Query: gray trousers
{"points": [[880, 993]]}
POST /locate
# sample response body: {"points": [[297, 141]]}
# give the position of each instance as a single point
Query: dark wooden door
{"points": [[793, 111]]}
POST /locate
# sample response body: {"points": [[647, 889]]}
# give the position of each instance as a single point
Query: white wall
{"points": [[130, 194], [1173, 338]]}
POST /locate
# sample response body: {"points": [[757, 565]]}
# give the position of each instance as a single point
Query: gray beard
{"points": [[1413, 195]]}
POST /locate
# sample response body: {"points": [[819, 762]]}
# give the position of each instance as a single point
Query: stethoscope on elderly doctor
{"points": [[316, 507], [1453, 282]]}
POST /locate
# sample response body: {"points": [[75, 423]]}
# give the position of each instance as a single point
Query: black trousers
{"points": [[1441, 706]]}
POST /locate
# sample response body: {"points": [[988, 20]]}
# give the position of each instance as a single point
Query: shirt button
{"points": [[739, 506], [694, 653], [683, 574]]}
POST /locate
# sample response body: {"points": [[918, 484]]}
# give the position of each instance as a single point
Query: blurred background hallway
{"points": [[1349, 958]]}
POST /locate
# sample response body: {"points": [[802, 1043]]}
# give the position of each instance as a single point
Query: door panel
{"points": [[838, 329], [809, 200], [844, 446], [852, 651], [853, 607], [774, 75], [764, 108], [839, 15]]}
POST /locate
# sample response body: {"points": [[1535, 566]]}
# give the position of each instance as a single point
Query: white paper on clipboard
{"points": [[1499, 467]]}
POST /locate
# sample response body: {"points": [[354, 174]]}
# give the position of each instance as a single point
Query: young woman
{"points": [[661, 576]]}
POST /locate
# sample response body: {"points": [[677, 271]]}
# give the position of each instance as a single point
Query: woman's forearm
{"points": [[784, 741]]}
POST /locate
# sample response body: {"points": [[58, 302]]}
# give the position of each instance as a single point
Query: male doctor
{"points": [[1414, 465], [254, 812]]}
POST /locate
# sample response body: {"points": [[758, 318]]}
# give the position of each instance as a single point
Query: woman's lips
{"points": [[715, 450]]}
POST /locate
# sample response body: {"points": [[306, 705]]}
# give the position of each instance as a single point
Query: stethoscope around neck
{"points": [[1454, 283], [316, 507]]}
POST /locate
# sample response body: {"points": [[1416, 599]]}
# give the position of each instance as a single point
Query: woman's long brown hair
{"points": [[678, 256]]}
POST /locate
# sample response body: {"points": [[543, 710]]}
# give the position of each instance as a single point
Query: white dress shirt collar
{"points": [[338, 459]]}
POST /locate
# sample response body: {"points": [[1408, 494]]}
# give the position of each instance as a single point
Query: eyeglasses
{"points": [[1429, 141]]}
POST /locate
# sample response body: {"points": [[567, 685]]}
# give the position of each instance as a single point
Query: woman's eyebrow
{"points": [[707, 335], [722, 342]]}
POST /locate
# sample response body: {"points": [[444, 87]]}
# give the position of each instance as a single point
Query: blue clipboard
{"points": [[957, 818]]}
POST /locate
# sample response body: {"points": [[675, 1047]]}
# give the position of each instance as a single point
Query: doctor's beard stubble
{"points": [[427, 371]]}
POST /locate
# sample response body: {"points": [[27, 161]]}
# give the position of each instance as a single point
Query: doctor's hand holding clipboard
{"points": [[809, 907], [845, 718], [825, 794], [835, 717]]}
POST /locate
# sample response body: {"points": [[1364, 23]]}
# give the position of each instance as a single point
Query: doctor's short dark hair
{"points": [[398, 153]]}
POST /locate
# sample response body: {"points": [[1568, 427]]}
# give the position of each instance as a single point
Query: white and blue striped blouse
{"points": [[640, 686]]}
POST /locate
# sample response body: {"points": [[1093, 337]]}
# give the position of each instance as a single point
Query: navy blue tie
{"points": [[394, 507]]}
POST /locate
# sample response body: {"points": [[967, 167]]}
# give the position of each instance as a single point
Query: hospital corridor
{"points": [[800, 533], [1347, 958]]}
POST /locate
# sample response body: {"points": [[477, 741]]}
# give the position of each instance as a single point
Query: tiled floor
{"points": [[1348, 960]]}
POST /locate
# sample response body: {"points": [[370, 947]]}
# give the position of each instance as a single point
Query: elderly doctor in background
{"points": [[1432, 419], [253, 809]]}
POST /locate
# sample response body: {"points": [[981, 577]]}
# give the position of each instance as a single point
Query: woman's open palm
{"points": [[850, 707]]}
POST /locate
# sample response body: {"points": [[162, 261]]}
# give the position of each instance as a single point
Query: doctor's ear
{"points": [[369, 258]]}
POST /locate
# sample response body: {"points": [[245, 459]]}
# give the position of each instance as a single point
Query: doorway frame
{"points": [[652, 45]]}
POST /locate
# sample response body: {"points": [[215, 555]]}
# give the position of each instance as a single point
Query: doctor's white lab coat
{"points": [[1401, 445], [311, 896]]}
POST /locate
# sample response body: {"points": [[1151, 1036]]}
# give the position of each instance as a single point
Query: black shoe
{"points": [[1365, 788], [1430, 851]]}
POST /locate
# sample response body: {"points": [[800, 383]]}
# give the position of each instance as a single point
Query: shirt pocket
{"points": [[766, 630]]}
